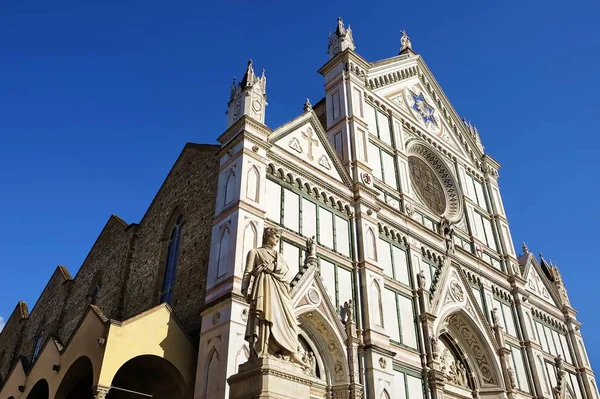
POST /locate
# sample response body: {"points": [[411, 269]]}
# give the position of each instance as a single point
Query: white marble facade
{"points": [[375, 187]]}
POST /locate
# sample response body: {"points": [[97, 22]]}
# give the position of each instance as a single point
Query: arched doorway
{"points": [[148, 375], [467, 356], [39, 391], [78, 381]]}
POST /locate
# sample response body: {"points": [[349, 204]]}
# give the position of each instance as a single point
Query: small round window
{"points": [[427, 185]]}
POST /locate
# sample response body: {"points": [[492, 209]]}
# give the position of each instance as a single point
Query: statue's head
{"points": [[271, 236]]}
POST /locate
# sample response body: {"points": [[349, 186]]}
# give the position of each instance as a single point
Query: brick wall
{"points": [[107, 261], [189, 190], [129, 260]]}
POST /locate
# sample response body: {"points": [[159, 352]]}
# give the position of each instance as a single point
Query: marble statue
{"points": [[272, 329], [421, 279], [447, 232], [405, 41], [348, 309], [311, 247], [495, 320]]}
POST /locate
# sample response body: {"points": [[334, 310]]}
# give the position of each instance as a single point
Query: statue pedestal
{"points": [[270, 378]]}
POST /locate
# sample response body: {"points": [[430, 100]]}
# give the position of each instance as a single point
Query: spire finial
{"points": [[307, 105], [405, 41], [341, 39], [525, 249]]}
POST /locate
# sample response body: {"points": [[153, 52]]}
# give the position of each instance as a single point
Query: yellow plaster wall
{"points": [[84, 343], [11, 387], [154, 332], [49, 355]]}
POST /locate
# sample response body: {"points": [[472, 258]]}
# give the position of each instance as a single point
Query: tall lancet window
{"points": [[171, 262], [38, 342]]}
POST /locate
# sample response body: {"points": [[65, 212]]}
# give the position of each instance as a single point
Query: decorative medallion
{"points": [[409, 208], [366, 178], [399, 100], [433, 182], [420, 106], [245, 315], [313, 296], [216, 317], [324, 162], [294, 144], [382, 363], [457, 291], [427, 185]]}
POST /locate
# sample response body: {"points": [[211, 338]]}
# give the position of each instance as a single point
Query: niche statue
{"points": [[272, 329]]}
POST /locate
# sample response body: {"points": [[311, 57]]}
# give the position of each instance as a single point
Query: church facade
{"points": [[406, 280]]}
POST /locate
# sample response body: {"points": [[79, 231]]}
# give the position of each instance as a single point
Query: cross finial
{"points": [[307, 105], [525, 249]]}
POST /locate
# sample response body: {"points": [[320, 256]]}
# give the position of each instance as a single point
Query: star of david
{"points": [[425, 110]]}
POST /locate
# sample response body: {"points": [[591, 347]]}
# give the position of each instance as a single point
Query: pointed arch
{"points": [[250, 241], [213, 378], [531, 327], [223, 251], [242, 356], [170, 263], [384, 395], [542, 372], [95, 288], [376, 300], [473, 340], [325, 339], [370, 243], [229, 187], [253, 184], [38, 341]]}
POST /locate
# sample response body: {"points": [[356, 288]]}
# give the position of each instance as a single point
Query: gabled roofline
{"points": [[313, 119]]}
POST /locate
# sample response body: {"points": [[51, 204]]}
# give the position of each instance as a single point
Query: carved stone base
{"points": [[270, 378]]}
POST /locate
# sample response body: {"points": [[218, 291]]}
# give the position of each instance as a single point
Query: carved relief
{"points": [[457, 291], [483, 363]]}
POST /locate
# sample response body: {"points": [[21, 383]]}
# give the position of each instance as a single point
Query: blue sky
{"points": [[97, 99]]}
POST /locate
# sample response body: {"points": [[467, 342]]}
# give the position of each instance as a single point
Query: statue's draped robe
{"points": [[267, 277]]}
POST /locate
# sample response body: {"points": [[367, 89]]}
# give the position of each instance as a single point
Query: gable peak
{"points": [[249, 97], [340, 39]]}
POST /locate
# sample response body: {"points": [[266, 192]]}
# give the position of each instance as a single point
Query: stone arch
{"points": [[223, 250], [478, 350], [78, 380], [542, 371], [328, 343], [212, 377], [172, 231], [40, 390], [250, 241], [151, 375], [253, 184], [242, 356], [370, 244], [229, 187], [376, 308]]}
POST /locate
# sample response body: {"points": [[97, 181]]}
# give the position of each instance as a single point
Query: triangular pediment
{"points": [[310, 294], [305, 139], [408, 84], [452, 291], [537, 283]]}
